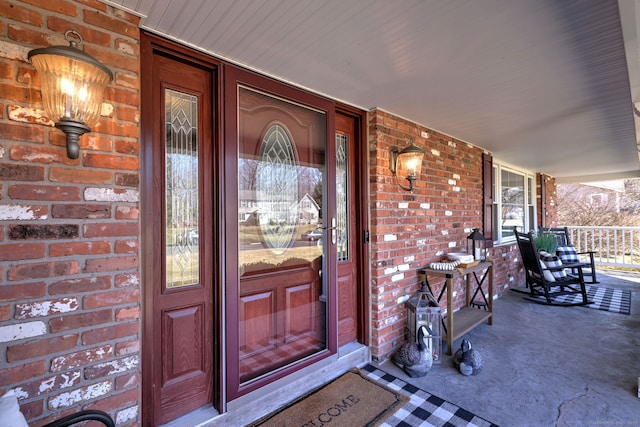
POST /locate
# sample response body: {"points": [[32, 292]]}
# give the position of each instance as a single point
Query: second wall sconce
{"points": [[72, 85], [408, 161]]}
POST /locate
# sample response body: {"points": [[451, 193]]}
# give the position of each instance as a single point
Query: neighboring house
{"points": [[607, 195], [100, 308], [255, 203], [606, 203], [247, 205], [631, 200], [583, 203], [308, 210]]}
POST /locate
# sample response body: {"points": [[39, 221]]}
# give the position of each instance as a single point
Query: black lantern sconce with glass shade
{"points": [[409, 161], [72, 85], [424, 310], [477, 245]]}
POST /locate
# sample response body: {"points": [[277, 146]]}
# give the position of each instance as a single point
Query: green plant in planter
{"points": [[546, 242]]}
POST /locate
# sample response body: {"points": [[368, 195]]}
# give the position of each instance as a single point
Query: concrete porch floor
{"points": [[549, 366], [544, 366]]}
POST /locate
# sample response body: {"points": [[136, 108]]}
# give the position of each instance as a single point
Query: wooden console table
{"points": [[467, 317]]}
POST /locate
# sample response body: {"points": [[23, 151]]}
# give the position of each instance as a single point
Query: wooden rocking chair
{"points": [[545, 289], [563, 239]]}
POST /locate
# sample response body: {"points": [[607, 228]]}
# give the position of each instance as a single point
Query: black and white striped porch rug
{"points": [[604, 299], [423, 409], [607, 299]]}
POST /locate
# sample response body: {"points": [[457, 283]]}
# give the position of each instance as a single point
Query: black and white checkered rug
{"points": [[423, 409], [604, 299], [607, 299]]}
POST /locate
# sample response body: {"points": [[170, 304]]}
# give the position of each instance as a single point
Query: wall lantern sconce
{"points": [[409, 161], [477, 245], [72, 85]]}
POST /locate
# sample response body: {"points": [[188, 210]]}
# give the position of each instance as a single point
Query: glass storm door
{"points": [[284, 288]]}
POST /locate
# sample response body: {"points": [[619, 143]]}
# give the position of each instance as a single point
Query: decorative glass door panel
{"points": [[342, 195], [281, 181], [181, 195], [348, 271]]}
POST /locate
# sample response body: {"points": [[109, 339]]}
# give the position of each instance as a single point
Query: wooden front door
{"points": [[281, 258], [179, 218], [349, 279]]}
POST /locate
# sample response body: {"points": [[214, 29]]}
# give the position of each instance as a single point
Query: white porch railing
{"points": [[618, 246]]}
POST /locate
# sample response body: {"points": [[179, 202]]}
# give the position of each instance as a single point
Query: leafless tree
{"points": [[580, 205]]}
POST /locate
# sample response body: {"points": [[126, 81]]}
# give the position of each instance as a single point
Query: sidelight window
{"points": [[181, 189]]}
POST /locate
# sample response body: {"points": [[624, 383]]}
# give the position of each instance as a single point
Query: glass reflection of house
{"points": [[308, 210], [305, 211]]}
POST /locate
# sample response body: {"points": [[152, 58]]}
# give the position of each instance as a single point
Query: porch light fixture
{"points": [[72, 85], [409, 160]]}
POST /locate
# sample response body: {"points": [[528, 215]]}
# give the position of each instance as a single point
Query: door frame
{"points": [[361, 176], [151, 45]]}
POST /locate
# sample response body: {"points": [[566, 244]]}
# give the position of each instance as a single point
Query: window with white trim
{"points": [[513, 204]]}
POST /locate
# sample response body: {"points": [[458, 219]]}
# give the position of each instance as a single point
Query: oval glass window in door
{"points": [[277, 190]]}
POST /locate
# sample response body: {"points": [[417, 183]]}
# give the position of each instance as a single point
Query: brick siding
{"points": [[69, 229], [547, 207], [70, 286], [412, 229]]}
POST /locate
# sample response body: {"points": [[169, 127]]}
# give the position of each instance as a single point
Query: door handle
{"points": [[334, 225]]}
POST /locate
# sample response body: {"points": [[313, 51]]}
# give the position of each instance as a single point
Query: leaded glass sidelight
{"points": [[181, 189], [342, 206]]}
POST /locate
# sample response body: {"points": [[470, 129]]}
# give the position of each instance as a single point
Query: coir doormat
{"points": [[350, 400]]}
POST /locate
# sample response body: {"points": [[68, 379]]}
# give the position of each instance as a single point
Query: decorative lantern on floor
{"points": [[423, 309], [477, 245]]}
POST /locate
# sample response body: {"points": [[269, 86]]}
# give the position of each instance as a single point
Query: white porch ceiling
{"points": [[544, 85]]}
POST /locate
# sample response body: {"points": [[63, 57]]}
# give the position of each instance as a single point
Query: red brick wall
{"points": [[547, 206], [411, 229], [69, 229]]}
